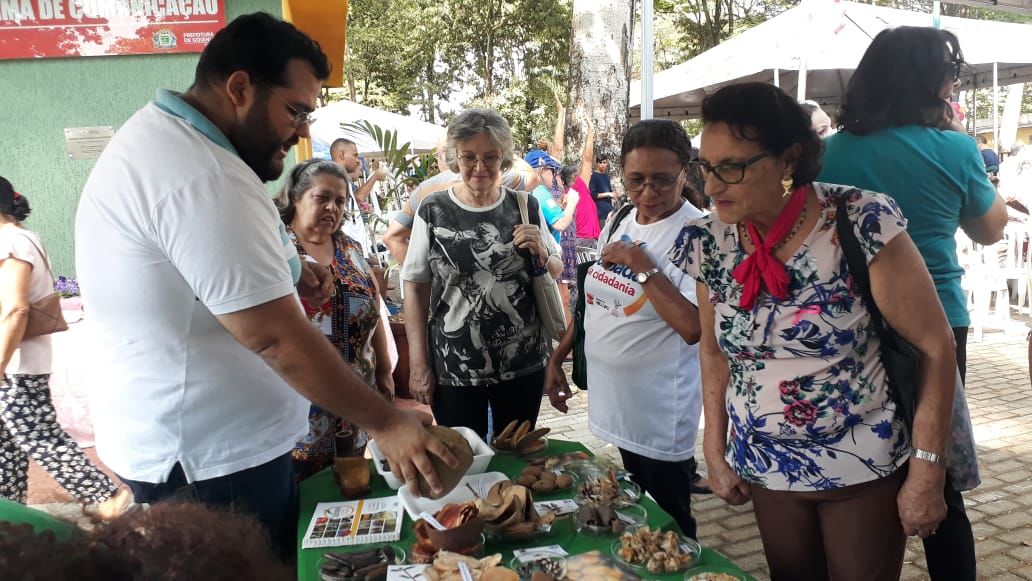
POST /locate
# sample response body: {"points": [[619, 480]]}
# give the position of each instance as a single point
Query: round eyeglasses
{"points": [[659, 184], [730, 172]]}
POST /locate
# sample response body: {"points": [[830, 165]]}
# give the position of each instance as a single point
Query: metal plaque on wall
{"points": [[87, 142]]}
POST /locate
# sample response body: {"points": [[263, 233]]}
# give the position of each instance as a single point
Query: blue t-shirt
{"points": [[937, 178], [600, 184], [991, 160], [549, 207]]}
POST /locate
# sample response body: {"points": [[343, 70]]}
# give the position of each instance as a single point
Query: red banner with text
{"points": [[70, 28]]}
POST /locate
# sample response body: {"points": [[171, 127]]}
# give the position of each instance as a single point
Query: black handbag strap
{"points": [[856, 262], [618, 219]]}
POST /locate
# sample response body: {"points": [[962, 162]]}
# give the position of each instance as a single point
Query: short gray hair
{"points": [[300, 180], [473, 122]]}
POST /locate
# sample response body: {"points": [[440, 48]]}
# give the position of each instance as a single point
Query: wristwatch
{"points": [[929, 457], [643, 277]]}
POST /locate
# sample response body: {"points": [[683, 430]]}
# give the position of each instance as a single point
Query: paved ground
{"points": [[1001, 509]]}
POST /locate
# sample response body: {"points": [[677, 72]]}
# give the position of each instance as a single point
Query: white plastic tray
{"points": [[482, 454], [482, 483]]}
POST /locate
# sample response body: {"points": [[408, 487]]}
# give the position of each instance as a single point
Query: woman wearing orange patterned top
{"points": [[313, 205]]}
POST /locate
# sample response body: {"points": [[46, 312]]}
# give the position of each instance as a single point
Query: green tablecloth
{"points": [[321, 488], [40, 521]]}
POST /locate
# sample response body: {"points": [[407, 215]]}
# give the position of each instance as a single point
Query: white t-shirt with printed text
{"points": [[644, 380]]}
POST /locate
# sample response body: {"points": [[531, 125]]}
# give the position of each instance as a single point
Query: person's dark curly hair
{"points": [[899, 79], [171, 541], [766, 115], [12, 203], [663, 134]]}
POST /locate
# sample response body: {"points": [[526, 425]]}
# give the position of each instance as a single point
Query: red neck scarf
{"points": [[761, 269]]}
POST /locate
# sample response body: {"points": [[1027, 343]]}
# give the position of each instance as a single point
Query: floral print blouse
{"points": [[807, 402], [348, 320]]}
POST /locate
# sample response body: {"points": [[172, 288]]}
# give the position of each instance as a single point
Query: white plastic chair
{"points": [[986, 283], [1017, 263]]}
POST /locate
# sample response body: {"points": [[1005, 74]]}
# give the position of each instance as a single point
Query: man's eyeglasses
{"points": [[489, 161], [732, 172], [660, 184], [298, 117]]}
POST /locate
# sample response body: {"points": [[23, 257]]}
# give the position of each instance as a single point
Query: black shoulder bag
{"points": [[580, 362], [902, 361]]}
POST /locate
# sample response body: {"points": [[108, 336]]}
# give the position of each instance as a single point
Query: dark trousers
{"points": [[851, 533], [267, 492], [516, 399], [950, 552], [668, 483]]}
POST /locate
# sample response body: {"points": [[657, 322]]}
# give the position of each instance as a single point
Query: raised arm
{"points": [[363, 191], [588, 154], [559, 137]]}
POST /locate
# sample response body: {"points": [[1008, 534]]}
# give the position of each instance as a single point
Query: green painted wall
{"points": [[42, 97]]}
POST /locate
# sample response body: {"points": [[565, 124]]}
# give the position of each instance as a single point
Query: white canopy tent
{"points": [[827, 39], [421, 135]]}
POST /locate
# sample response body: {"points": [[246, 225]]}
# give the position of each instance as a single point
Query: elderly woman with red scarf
{"points": [[799, 417]]}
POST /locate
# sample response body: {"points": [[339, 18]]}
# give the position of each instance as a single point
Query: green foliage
{"points": [[699, 25], [418, 53], [434, 56], [402, 167]]}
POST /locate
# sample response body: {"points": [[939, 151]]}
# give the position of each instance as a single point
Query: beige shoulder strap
{"points": [[522, 198]]}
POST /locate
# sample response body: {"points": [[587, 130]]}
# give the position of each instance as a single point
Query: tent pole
{"points": [[996, 107], [647, 48], [801, 83], [974, 105], [777, 77]]}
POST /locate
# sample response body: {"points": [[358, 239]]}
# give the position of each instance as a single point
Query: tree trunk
{"points": [[600, 72]]}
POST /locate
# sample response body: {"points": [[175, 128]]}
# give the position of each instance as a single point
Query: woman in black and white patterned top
{"points": [[469, 266]]}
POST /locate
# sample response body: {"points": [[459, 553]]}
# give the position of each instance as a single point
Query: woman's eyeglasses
{"points": [[659, 184], [732, 172], [489, 161], [954, 69]]}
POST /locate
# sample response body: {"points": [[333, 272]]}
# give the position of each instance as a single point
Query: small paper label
{"points": [[429, 518], [406, 572], [560, 507], [467, 575], [538, 553]]}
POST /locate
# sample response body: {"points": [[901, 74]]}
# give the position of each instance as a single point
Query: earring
{"points": [[787, 183]]}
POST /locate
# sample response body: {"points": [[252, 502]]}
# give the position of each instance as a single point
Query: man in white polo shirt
{"points": [[206, 361]]}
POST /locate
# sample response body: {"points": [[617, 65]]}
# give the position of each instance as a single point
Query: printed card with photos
{"points": [[356, 522]]}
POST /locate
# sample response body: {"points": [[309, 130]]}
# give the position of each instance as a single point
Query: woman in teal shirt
{"points": [[893, 139]]}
